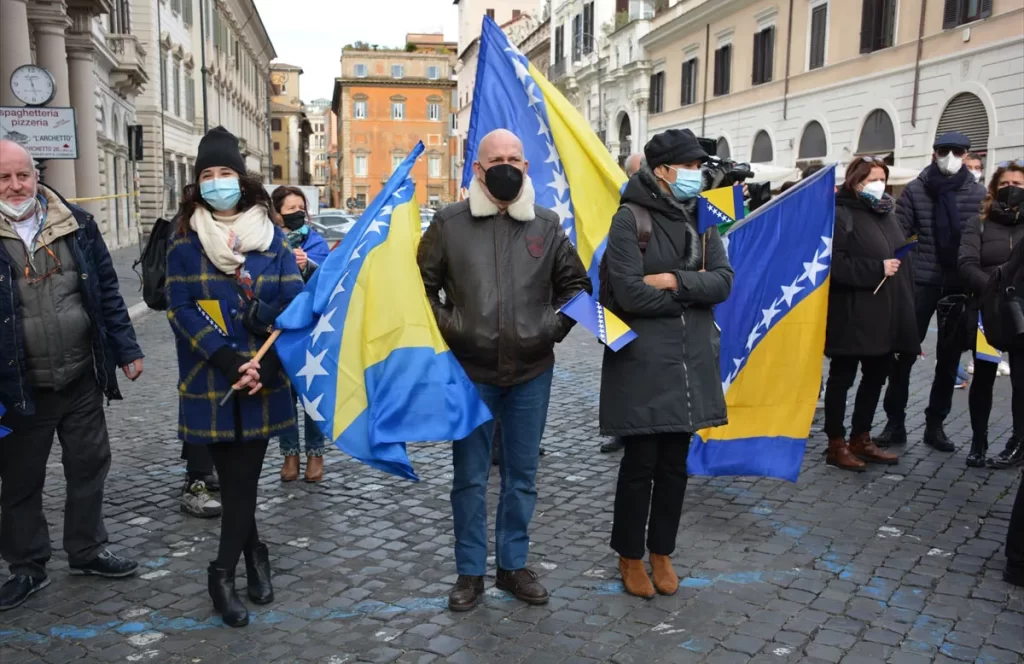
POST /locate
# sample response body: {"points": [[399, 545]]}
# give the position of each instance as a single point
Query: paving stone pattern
{"points": [[899, 564]]}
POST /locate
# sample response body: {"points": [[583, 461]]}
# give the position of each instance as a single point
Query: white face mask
{"points": [[20, 211], [874, 189], [978, 175], [950, 164]]}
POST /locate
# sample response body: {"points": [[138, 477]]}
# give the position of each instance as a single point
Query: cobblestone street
{"points": [[898, 564]]}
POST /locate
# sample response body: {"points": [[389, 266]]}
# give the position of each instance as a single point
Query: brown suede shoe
{"points": [[523, 584], [290, 469], [839, 455], [467, 593], [665, 578], [634, 577], [314, 469], [865, 449]]}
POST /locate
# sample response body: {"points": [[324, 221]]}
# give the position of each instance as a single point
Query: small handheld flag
{"points": [[983, 350], [603, 324], [3, 430], [899, 255], [719, 206]]}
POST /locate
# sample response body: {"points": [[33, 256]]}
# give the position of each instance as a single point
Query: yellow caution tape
{"points": [[100, 198]]}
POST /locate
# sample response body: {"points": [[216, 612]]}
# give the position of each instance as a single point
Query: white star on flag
{"points": [[324, 324], [544, 129], [340, 288], [534, 100], [311, 408], [559, 183], [312, 368], [789, 292], [355, 254], [769, 314], [552, 154], [753, 337], [812, 269], [828, 246], [522, 73], [562, 209], [376, 226]]}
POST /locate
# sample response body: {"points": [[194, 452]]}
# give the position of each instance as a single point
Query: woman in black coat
{"points": [[985, 247], [666, 384], [865, 327]]}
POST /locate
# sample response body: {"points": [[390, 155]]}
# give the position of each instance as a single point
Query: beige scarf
{"points": [[226, 240]]}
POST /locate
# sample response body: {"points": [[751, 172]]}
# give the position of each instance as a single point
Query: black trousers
{"points": [[842, 372], [198, 462], [649, 493], [76, 415], [239, 465], [947, 361], [979, 400], [1015, 533]]}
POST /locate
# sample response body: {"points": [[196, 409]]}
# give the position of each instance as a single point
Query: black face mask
{"points": [[293, 221], [1011, 197], [504, 181]]}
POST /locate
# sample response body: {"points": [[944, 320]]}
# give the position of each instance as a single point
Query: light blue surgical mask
{"points": [[221, 193], [687, 185]]}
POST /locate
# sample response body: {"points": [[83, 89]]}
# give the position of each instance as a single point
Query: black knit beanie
{"points": [[219, 147]]}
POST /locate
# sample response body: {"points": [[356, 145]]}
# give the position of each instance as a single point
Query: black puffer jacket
{"points": [[504, 280], [986, 246], [862, 323], [916, 212], [668, 379]]}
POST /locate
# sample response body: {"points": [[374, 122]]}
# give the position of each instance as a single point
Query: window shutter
{"points": [[986, 8], [966, 114], [950, 14], [819, 22], [758, 41], [768, 63], [650, 96], [867, 24]]}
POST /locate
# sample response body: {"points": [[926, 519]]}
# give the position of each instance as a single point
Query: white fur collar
{"points": [[520, 210]]}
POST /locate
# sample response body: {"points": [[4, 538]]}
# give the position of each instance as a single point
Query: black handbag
{"points": [[954, 325]]}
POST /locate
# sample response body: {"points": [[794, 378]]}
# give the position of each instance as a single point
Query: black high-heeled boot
{"points": [[257, 572], [221, 583], [979, 446]]}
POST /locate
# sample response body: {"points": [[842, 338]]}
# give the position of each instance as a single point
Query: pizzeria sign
{"points": [[46, 132]]}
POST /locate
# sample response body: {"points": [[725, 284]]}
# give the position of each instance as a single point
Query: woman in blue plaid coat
{"points": [[229, 274]]}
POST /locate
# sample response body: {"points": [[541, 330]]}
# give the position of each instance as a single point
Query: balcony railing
{"points": [[129, 73], [557, 70]]}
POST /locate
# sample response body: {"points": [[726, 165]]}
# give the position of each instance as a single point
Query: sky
{"points": [[311, 33]]}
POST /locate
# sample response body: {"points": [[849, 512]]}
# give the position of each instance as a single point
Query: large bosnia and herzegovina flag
{"points": [[773, 335], [362, 348], [572, 171]]}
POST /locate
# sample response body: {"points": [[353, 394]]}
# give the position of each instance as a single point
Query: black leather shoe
{"points": [[976, 457], [892, 434], [221, 584], [257, 572], [523, 584], [19, 588], [1012, 455], [613, 445], [467, 593], [108, 565], [935, 438]]}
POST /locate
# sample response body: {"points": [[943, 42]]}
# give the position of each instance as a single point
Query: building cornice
{"points": [[705, 13], [397, 83]]}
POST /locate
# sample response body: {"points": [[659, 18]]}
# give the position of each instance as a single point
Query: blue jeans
{"points": [[289, 440], [522, 411]]}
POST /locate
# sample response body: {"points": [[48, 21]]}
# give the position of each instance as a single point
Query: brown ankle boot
{"points": [[865, 449], [665, 578], [839, 455], [290, 469], [634, 577], [314, 469]]}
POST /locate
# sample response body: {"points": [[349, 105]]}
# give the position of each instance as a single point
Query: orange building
{"points": [[387, 100]]}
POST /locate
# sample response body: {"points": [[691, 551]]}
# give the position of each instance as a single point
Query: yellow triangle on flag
{"points": [[724, 199], [213, 313]]}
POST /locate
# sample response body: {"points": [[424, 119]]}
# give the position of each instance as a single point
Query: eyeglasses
{"points": [[957, 152], [57, 268], [1012, 162]]}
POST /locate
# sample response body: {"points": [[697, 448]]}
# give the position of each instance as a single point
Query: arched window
{"points": [[877, 135], [625, 134], [762, 152], [723, 150], [115, 128], [813, 144], [966, 114]]}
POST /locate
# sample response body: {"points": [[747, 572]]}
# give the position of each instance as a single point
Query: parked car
{"points": [[333, 225]]}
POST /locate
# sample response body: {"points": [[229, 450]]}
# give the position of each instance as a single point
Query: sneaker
{"points": [[108, 565], [212, 482], [19, 588], [197, 500], [1004, 369]]}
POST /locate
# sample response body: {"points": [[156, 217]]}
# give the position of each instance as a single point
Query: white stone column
{"points": [[15, 49], [50, 23], [87, 166]]}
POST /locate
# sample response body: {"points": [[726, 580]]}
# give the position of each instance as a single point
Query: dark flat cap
{"points": [[952, 139], [674, 146]]}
